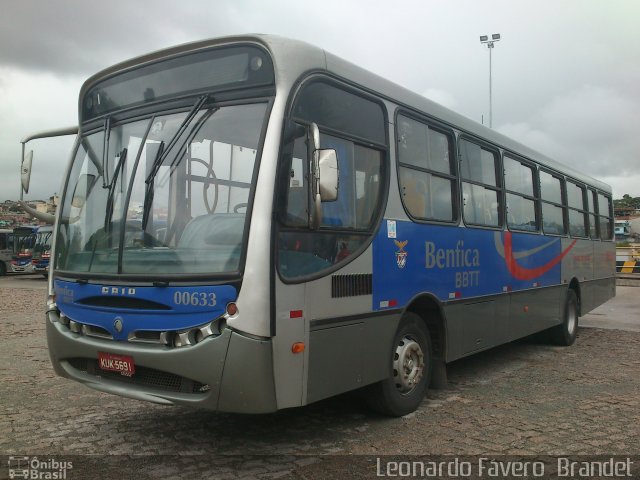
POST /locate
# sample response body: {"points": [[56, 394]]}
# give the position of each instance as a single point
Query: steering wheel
{"points": [[239, 206], [210, 174]]}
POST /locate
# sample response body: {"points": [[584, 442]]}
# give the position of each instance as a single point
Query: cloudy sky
{"points": [[566, 72]]}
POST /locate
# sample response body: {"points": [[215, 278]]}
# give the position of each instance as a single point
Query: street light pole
{"points": [[485, 39]]}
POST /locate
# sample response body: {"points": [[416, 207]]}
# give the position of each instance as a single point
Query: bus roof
{"points": [[292, 58]]}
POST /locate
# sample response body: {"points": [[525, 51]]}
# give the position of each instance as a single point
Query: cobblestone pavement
{"points": [[519, 399]]}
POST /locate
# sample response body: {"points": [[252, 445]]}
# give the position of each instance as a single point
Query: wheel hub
{"points": [[408, 365]]}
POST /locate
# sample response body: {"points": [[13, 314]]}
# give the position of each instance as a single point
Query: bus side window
{"points": [[519, 186], [552, 204], [426, 171], [414, 193], [296, 206], [297, 211], [604, 217], [345, 222], [593, 217], [480, 188], [577, 210], [368, 164]]}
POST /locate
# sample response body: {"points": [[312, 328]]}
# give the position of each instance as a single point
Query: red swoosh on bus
{"points": [[522, 273]]}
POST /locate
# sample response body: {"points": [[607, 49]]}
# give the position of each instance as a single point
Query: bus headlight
{"points": [[195, 335], [51, 303], [64, 320]]}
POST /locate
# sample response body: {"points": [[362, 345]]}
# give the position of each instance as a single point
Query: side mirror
{"points": [[82, 190], [328, 166], [325, 176], [25, 170]]}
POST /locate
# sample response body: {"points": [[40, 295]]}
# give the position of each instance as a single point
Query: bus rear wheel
{"points": [[3, 269], [565, 333], [411, 362]]}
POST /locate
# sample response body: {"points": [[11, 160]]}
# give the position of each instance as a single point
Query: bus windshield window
{"points": [[43, 240], [188, 218]]}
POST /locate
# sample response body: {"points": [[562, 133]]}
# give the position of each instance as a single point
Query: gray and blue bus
{"points": [[251, 223], [24, 239], [41, 252]]}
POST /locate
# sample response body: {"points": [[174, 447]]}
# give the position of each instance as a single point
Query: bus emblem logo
{"points": [[118, 324], [401, 255]]}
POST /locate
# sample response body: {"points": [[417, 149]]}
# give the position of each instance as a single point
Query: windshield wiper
{"points": [[105, 150], [107, 218], [161, 156], [148, 193], [183, 126], [112, 187]]}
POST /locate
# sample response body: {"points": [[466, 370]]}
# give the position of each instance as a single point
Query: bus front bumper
{"points": [[27, 268], [230, 372]]}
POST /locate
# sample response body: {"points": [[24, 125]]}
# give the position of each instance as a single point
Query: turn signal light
{"points": [[232, 309], [297, 347]]}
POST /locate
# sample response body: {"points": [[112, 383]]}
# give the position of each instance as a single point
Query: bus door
{"points": [[323, 257]]}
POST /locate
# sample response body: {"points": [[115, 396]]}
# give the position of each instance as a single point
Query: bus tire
{"points": [[3, 268], [411, 361], [565, 333]]}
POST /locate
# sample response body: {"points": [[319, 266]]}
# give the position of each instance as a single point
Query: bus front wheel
{"points": [[565, 333], [411, 361]]}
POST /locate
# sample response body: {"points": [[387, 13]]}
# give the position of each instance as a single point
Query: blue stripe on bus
{"points": [[180, 307], [453, 262]]}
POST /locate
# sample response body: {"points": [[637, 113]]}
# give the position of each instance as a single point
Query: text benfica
{"points": [[458, 257]]}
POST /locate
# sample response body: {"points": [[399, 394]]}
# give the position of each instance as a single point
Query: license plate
{"points": [[122, 364]]}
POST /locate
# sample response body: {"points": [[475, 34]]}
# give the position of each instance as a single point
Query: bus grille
{"points": [[351, 285], [146, 377]]}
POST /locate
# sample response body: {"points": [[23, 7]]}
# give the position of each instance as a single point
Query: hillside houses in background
{"points": [[12, 215]]}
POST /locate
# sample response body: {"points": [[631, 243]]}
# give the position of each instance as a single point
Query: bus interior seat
{"points": [[297, 206], [414, 192]]}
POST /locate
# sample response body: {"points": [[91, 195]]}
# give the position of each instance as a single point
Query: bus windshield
{"points": [[161, 196], [42, 243], [24, 239]]}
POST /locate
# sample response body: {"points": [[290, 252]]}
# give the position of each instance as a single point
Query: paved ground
{"points": [[519, 399], [622, 313]]}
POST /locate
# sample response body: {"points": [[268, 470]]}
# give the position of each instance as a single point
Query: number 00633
{"points": [[116, 363]]}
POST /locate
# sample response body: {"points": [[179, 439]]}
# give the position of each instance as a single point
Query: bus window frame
{"points": [[499, 175], [562, 205], [609, 215], [584, 210], [593, 215], [536, 191], [450, 133]]}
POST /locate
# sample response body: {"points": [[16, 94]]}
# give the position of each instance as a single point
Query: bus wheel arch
{"points": [[417, 360], [410, 370], [429, 309]]}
